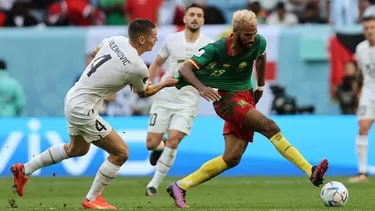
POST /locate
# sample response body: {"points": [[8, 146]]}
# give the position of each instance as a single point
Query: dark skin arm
{"points": [[187, 73], [260, 65]]}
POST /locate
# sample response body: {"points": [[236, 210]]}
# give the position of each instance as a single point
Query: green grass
{"points": [[226, 194]]}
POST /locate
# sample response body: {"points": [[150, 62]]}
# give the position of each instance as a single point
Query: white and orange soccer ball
{"points": [[334, 194]]}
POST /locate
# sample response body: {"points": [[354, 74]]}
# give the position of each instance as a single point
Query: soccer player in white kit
{"points": [[173, 110], [365, 54], [117, 63]]}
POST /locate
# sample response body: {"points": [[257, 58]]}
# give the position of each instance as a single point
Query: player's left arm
{"points": [[260, 66]]}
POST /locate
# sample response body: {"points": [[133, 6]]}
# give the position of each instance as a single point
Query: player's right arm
{"points": [[155, 67], [204, 56], [163, 55], [358, 75]]}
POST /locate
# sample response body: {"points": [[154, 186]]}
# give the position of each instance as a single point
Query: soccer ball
{"points": [[334, 194]]}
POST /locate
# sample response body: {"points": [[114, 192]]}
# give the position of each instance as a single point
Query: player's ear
{"points": [[184, 19], [141, 40]]}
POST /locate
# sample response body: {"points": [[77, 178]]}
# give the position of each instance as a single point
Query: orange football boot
{"points": [[98, 204], [19, 178]]}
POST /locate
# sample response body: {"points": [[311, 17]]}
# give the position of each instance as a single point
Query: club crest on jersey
{"points": [[241, 66], [241, 103], [211, 65]]}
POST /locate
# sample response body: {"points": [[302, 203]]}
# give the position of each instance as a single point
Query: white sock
{"points": [[106, 173], [52, 155], [165, 162], [361, 147]]}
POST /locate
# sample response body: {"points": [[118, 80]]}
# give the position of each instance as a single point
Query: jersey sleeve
{"points": [[204, 56], [138, 78], [164, 52], [262, 46]]}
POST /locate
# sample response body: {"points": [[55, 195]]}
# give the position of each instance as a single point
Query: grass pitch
{"points": [[221, 194]]}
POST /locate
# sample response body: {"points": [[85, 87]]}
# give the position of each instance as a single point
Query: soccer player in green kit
{"points": [[227, 66]]}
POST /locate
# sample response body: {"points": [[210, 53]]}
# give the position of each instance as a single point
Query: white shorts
{"points": [[366, 108], [91, 126], [163, 119]]}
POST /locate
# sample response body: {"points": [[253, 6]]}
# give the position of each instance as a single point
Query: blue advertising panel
{"points": [[332, 137]]}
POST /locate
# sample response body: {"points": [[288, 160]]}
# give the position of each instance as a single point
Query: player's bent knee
{"points": [[232, 160], [121, 156], [77, 151], [364, 128], [174, 141], [153, 141], [271, 129]]}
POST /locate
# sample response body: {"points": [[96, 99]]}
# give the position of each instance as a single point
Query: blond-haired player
{"points": [[117, 63], [173, 110], [365, 54], [227, 66]]}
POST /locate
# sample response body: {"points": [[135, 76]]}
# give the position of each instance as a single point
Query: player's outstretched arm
{"points": [[153, 89], [187, 73], [155, 67]]}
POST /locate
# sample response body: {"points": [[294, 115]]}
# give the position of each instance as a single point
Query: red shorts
{"points": [[233, 107]]}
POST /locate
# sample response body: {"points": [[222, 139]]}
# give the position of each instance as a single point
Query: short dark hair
{"points": [[139, 27], [194, 5]]}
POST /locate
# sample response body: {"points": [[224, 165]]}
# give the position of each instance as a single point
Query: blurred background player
{"points": [[365, 54], [12, 97], [227, 65], [117, 63], [173, 110]]}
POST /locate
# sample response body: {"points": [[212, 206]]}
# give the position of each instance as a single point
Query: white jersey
{"points": [[365, 55], [116, 65], [176, 50]]}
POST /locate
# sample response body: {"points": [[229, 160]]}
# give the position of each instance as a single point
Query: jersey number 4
{"points": [[97, 63]]}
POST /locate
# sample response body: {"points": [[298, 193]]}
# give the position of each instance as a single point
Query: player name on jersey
{"points": [[118, 52]]}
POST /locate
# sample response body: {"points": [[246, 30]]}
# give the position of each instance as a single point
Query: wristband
{"points": [[260, 88]]}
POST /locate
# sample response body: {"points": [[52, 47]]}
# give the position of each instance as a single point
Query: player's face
{"points": [[247, 35], [151, 39], [194, 18], [369, 29]]}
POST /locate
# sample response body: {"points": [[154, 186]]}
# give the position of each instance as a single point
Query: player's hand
{"points": [[132, 89], [257, 95], [170, 82], [209, 94]]}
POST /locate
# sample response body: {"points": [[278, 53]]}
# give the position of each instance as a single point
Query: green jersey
{"points": [[217, 68]]}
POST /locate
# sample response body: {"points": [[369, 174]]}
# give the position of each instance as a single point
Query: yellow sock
{"points": [[207, 171], [291, 153]]}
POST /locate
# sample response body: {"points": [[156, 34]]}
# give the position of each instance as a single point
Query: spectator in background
{"points": [[343, 12], [147, 9], [362, 6], [6, 5], [281, 17], [12, 99], [312, 14], [75, 12], [20, 15], [256, 7], [172, 12], [114, 11]]}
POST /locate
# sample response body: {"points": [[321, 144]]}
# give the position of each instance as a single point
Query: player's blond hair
{"points": [[242, 16]]}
